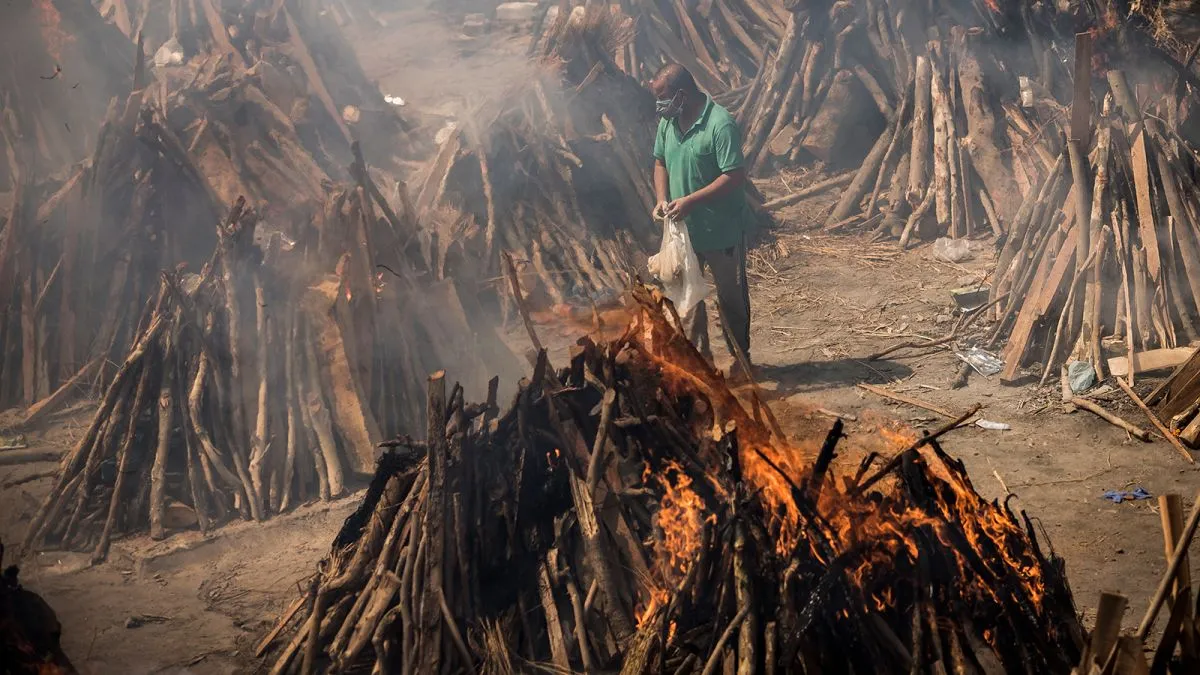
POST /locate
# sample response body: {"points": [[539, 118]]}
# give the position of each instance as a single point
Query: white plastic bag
{"points": [[678, 268]]}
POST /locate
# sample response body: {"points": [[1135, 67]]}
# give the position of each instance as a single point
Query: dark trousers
{"points": [[728, 270]]}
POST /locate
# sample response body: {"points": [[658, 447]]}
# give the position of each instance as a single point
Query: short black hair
{"points": [[676, 78]]}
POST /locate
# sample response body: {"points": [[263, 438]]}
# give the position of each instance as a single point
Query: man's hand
{"points": [[679, 208], [660, 209]]}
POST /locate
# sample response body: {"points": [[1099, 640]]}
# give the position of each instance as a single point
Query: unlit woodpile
{"points": [[556, 172], [626, 513], [1109, 245], [308, 69], [263, 381], [80, 253]]}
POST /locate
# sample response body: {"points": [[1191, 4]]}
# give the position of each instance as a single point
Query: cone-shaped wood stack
{"points": [[264, 380], [627, 513], [81, 254], [556, 172], [310, 70], [1109, 244]]}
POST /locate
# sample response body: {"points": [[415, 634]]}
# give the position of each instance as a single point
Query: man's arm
{"points": [[662, 193]]}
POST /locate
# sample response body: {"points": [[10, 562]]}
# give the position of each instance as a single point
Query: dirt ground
{"points": [[821, 304]]}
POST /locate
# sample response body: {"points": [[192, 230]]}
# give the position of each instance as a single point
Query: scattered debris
{"points": [[1118, 496]]}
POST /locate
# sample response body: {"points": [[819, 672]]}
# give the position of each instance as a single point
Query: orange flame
{"points": [[849, 522]]}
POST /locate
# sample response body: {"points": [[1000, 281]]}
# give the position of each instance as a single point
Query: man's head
{"points": [[675, 90]]}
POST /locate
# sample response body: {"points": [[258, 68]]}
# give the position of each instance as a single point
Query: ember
{"points": [[658, 544]]}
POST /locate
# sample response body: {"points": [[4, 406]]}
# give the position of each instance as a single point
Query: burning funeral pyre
{"points": [[626, 512]]}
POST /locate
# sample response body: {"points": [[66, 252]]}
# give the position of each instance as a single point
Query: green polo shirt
{"points": [[712, 146]]}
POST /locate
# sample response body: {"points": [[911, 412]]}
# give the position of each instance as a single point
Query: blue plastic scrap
{"points": [[1117, 496]]}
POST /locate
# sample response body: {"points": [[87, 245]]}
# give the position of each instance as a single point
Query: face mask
{"points": [[669, 108]]}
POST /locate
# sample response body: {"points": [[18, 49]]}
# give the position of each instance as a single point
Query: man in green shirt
{"points": [[699, 177]]}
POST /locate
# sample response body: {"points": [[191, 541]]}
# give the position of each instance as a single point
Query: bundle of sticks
{"points": [[311, 72], [556, 171], [1108, 244], [628, 513]]}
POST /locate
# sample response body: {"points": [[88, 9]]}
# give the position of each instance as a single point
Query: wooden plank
{"points": [[1036, 306], [915, 402], [300, 53], [1149, 361], [351, 415], [1145, 207], [55, 401], [1081, 105]]}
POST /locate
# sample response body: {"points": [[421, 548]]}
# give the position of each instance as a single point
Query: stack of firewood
{"points": [[1108, 243], [555, 172], [948, 111], [295, 52], [81, 253], [265, 380], [628, 513]]}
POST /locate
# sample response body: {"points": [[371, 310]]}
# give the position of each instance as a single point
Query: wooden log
{"points": [[353, 420], [773, 94], [1170, 511], [1150, 361], [922, 140], [124, 457], [942, 138], [435, 513], [1087, 348], [810, 191], [853, 194], [312, 402], [291, 401], [313, 74], [18, 457], [1092, 407], [983, 134], [260, 442], [1185, 235], [1183, 542], [915, 217], [901, 130], [55, 401], [915, 402], [1170, 437], [158, 472]]}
